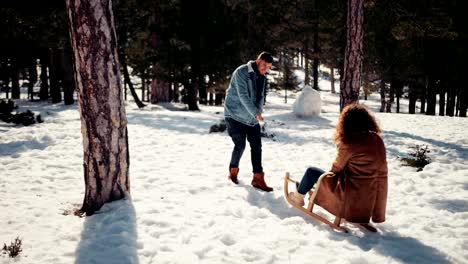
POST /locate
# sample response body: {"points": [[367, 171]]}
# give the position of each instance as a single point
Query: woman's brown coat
{"points": [[358, 192]]}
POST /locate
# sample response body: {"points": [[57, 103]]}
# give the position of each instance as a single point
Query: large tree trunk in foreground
{"points": [[103, 118], [351, 80]]}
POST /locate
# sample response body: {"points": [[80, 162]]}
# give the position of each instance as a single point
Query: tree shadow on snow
{"points": [[387, 243], [460, 151], [391, 244], [110, 235], [453, 206], [16, 147], [193, 123]]}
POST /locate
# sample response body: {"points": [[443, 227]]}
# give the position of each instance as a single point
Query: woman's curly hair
{"points": [[355, 123]]}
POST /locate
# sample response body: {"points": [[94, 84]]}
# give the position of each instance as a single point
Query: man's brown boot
{"points": [[259, 182], [233, 175]]}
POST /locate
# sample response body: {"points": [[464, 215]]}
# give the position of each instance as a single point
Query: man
{"points": [[243, 111]]}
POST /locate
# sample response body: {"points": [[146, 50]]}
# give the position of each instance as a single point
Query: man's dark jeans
{"points": [[239, 133], [311, 176]]}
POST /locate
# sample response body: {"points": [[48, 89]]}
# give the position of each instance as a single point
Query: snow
{"points": [[183, 209], [308, 103]]}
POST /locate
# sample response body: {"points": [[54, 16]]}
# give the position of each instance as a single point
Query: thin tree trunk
{"points": [[44, 91], [32, 69], [451, 96], [391, 98], [54, 65], [316, 61], [15, 89], [143, 88], [382, 95], [192, 95], [423, 92], [442, 99], [412, 99], [398, 92], [332, 77], [431, 96], [68, 79], [102, 110], [176, 92], [463, 102], [127, 80], [211, 99], [125, 91], [306, 69], [351, 80], [202, 94]]}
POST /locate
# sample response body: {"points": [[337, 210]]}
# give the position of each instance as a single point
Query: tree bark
{"points": [[351, 81], [102, 110]]}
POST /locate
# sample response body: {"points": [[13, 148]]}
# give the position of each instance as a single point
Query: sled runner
{"points": [[310, 206]]}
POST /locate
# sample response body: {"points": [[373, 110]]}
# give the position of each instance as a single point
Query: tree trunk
{"points": [[211, 100], [202, 95], [398, 91], [127, 80], [44, 91], [332, 79], [351, 81], [423, 105], [68, 82], [32, 69], [159, 88], [192, 95], [442, 92], [451, 97], [391, 97], [102, 110], [219, 96], [316, 60], [423, 98], [143, 88], [54, 65], [463, 102], [431, 96], [382, 96], [301, 57], [306, 69], [15, 89], [412, 99], [176, 92]]}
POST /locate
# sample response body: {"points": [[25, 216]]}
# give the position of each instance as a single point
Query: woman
{"points": [[358, 192]]}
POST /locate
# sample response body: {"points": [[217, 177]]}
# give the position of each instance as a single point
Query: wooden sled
{"points": [[310, 206]]}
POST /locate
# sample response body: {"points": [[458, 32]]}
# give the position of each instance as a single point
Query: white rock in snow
{"points": [[308, 103]]}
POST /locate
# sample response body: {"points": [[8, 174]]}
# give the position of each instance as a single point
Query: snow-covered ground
{"points": [[184, 210]]}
